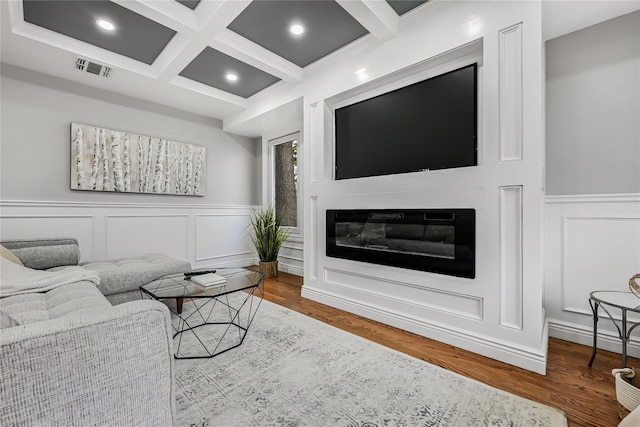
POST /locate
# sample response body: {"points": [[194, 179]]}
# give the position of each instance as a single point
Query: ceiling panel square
{"points": [[403, 6], [211, 67], [135, 36], [191, 4], [327, 27]]}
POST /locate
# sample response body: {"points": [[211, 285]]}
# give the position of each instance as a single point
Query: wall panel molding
{"points": [[591, 243], [372, 288], [511, 279], [510, 93], [66, 204], [114, 230], [222, 235], [591, 247], [527, 357]]}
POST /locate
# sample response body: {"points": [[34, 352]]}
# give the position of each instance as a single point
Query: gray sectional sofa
{"points": [[70, 357], [120, 278]]}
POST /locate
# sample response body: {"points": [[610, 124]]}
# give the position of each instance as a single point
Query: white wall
{"points": [[592, 239], [36, 200], [498, 314]]}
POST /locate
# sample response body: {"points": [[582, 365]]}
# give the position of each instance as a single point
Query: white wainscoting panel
{"points": [[222, 235], [204, 235], [41, 226], [510, 77], [130, 235], [591, 243], [511, 257], [291, 257], [313, 239], [414, 298], [597, 254]]}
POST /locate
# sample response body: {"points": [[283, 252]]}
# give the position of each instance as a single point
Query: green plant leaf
{"points": [[268, 234]]}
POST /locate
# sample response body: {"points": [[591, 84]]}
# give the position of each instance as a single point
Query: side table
{"points": [[217, 318], [623, 301]]}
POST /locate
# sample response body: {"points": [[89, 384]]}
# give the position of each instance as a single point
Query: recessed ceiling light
{"points": [[231, 77], [296, 29], [104, 24]]}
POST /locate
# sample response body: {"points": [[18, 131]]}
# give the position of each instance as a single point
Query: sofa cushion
{"points": [[65, 300], [128, 274], [45, 253]]}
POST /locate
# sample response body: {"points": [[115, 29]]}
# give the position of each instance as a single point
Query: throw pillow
{"points": [[9, 256], [7, 321]]}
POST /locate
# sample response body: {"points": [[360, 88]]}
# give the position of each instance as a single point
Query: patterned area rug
{"points": [[293, 370]]}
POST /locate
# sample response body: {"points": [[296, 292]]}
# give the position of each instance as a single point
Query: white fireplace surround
{"points": [[499, 313]]}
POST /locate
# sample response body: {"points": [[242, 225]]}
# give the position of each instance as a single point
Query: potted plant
{"points": [[267, 237]]}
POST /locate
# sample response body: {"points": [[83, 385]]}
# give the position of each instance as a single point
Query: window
{"points": [[284, 176]]}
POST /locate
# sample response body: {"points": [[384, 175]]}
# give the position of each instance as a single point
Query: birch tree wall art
{"points": [[110, 160]]}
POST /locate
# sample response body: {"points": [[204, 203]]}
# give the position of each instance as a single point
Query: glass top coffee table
{"points": [[209, 321]]}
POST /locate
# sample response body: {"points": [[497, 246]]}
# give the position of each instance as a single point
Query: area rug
{"points": [[292, 370]]}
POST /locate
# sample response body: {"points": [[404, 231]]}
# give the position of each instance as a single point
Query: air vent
{"points": [[92, 67]]}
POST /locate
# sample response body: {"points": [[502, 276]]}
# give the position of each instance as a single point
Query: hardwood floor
{"points": [[586, 394]]}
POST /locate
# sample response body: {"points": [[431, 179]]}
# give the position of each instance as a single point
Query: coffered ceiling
{"points": [[215, 57], [204, 56]]}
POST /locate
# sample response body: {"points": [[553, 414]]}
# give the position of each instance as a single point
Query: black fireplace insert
{"points": [[434, 240]]}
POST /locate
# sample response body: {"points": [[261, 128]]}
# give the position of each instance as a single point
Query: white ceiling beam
{"points": [[217, 15], [375, 15], [210, 18], [179, 53], [245, 50], [171, 14], [213, 92]]}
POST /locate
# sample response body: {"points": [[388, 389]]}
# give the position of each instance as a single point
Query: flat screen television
{"points": [[428, 125]]}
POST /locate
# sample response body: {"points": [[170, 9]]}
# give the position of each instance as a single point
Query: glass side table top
{"points": [[620, 299], [177, 286]]}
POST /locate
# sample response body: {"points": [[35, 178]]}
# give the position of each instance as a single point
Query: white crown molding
{"points": [[594, 198]]}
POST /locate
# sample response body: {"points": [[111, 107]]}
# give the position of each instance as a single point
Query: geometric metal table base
{"points": [[202, 332], [210, 321]]}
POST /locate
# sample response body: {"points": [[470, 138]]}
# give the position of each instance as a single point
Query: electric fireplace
{"points": [[434, 240]]}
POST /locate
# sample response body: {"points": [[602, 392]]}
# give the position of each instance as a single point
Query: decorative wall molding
{"points": [[510, 93], [511, 280], [372, 288], [591, 243], [312, 239], [70, 204], [593, 198], [113, 230], [525, 357]]}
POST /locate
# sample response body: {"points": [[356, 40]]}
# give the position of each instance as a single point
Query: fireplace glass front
{"points": [[435, 240]]}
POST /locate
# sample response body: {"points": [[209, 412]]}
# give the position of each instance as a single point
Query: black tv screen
{"points": [[428, 125]]}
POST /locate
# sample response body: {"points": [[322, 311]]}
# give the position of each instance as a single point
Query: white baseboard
{"points": [[291, 269], [528, 358], [582, 335]]}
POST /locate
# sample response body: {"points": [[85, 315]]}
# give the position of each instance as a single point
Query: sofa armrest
{"points": [[112, 367], [42, 254]]}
